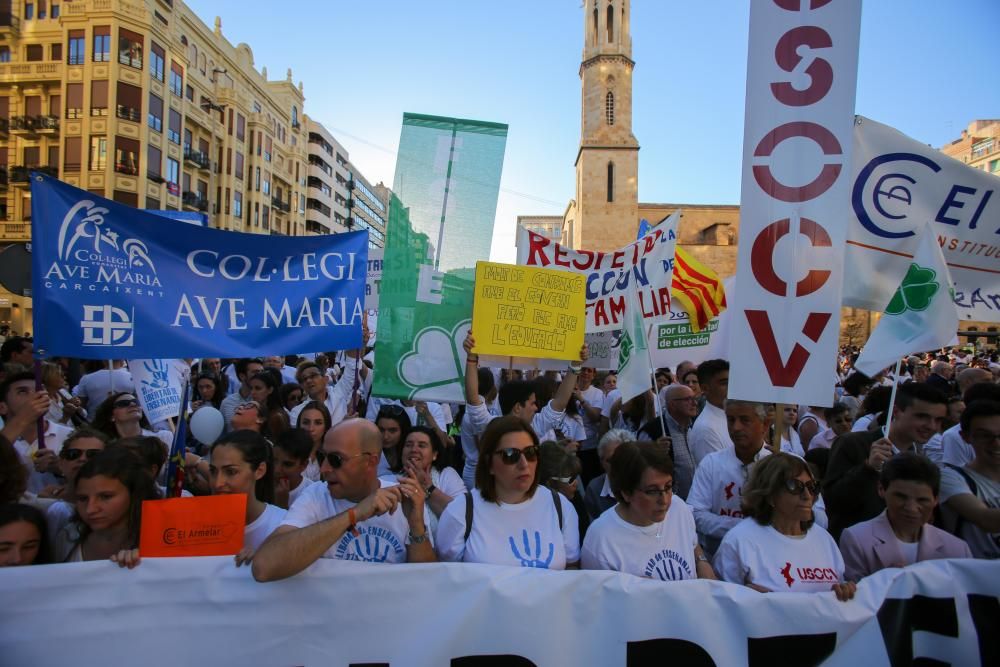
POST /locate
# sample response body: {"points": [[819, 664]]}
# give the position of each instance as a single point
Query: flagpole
{"points": [[652, 376], [892, 398]]}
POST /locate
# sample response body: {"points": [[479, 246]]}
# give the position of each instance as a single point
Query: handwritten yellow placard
{"points": [[526, 311]]}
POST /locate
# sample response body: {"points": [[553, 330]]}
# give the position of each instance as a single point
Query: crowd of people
{"points": [[534, 469]]}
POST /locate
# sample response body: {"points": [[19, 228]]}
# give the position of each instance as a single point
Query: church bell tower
{"points": [[607, 163]]}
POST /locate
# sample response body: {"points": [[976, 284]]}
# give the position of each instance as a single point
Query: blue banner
{"points": [[110, 281]]}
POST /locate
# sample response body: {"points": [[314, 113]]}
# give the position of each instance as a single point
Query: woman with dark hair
{"points": [[856, 385], [394, 424], [208, 390], [249, 416], [872, 409], [838, 420], [650, 532], [504, 521], [264, 390], [242, 463], [23, 539], [110, 489], [778, 503], [121, 417], [315, 420], [423, 460], [289, 395]]}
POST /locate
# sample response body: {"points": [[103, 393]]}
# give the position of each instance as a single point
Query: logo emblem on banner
{"points": [[107, 325]]}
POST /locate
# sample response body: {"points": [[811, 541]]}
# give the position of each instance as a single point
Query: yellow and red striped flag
{"points": [[698, 289]]}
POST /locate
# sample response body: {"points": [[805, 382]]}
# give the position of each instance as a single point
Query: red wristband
{"points": [[354, 522]]}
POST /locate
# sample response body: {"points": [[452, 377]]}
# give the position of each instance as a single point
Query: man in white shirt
{"points": [[337, 398], [94, 388], [353, 516], [716, 493], [591, 402], [21, 405], [709, 433], [278, 364]]}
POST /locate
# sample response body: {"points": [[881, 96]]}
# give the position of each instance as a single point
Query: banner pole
{"points": [[892, 399], [652, 376], [40, 423], [779, 428], [111, 377]]}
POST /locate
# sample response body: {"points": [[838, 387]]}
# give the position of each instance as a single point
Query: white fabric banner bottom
{"points": [[205, 611]]}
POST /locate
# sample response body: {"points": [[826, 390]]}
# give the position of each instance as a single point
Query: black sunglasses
{"points": [[126, 402], [390, 411], [335, 459], [797, 486], [511, 455], [73, 454]]}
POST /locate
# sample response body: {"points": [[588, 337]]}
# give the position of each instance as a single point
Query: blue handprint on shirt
{"points": [[367, 547], [529, 560]]}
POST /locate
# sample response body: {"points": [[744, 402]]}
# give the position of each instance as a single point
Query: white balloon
{"points": [[207, 424]]}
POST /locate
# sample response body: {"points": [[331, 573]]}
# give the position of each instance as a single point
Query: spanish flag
{"points": [[698, 289]]}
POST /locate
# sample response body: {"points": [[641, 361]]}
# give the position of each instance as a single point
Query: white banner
{"points": [[649, 264], [374, 278], [801, 79], [158, 386], [205, 611], [675, 342], [899, 186]]}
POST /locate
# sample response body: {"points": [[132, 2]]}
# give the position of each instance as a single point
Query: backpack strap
{"points": [[559, 511], [973, 487], [468, 516]]}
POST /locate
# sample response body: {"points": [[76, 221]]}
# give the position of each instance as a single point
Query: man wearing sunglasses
{"points": [[354, 516], [517, 398], [336, 398], [79, 447], [20, 406]]}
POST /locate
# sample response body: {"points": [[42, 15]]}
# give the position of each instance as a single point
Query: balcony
{"points": [[47, 125], [9, 24], [21, 174], [155, 178], [198, 159], [15, 231], [194, 201], [280, 205], [23, 125], [130, 168], [128, 113]]}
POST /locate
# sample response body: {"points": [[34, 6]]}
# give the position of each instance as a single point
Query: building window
{"points": [[74, 100], [34, 53], [188, 140], [4, 54], [152, 203], [241, 126], [155, 115], [41, 9], [129, 102], [154, 161], [611, 181], [239, 165], [595, 24], [102, 44], [176, 79], [130, 48], [55, 11], [126, 156], [56, 52], [29, 11], [98, 153], [99, 97], [189, 93], [609, 108], [77, 42], [173, 173], [174, 128], [611, 24], [156, 58], [237, 204], [74, 150]]}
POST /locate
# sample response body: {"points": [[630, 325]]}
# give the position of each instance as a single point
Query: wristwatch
{"points": [[429, 490], [418, 539]]}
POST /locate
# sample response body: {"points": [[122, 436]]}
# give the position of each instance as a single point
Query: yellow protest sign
{"points": [[525, 311]]}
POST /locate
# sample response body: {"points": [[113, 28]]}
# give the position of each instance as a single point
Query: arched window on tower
{"points": [[595, 24], [611, 181], [611, 23], [609, 108]]}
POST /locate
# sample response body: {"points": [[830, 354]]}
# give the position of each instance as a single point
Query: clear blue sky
{"points": [[926, 67]]}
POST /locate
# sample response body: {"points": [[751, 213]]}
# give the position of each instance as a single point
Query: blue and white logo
{"points": [[668, 565], [107, 325]]}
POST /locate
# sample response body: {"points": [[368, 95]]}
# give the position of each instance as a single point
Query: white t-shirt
{"points": [[294, 494], [522, 535], [823, 440], [908, 550], [595, 398], [755, 554], [662, 551], [954, 450], [55, 435], [450, 484], [716, 493], [255, 533], [380, 539], [709, 433], [97, 386], [981, 543]]}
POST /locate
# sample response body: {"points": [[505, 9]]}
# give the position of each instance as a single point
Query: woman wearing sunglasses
{"points": [[650, 532], [315, 420], [512, 521], [249, 416], [121, 417], [778, 547], [242, 462], [423, 460], [109, 492], [79, 447]]}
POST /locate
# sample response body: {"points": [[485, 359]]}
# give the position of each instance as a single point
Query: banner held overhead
{"points": [[801, 79]]}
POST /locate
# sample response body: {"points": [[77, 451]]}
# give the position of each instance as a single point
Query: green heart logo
{"points": [[916, 291]]}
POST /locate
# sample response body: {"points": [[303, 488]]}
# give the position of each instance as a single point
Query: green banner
{"points": [[440, 224]]}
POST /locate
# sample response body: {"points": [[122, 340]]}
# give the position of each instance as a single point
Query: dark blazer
{"points": [[850, 487], [595, 503]]}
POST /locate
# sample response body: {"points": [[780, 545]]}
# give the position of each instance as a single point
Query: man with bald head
{"points": [[681, 408], [354, 516]]}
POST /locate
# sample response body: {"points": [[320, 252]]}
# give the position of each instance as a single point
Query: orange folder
{"points": [[199, 526]]}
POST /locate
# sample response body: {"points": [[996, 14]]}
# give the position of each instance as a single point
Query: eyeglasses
{"points": [[249, 404], [512, 455], [654, 492], [73, 454], [309, 376], [797, 486], [336, 459], [126, 402], [562, 480]]}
